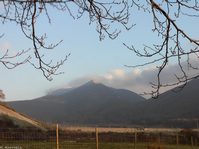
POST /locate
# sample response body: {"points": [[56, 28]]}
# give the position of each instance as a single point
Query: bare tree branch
{"points": [[26, 13], [110, 17], [6, 59], [164, 14]]}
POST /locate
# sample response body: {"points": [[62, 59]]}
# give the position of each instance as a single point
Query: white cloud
{"points": [[137, 80], [137, 72], [118, 73], [108, 77]]}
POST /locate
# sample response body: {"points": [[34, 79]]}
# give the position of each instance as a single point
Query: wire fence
{"points": [[96, 139]]}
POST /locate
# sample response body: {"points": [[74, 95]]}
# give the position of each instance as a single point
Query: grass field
{"points": [[117, 139], [87, 145]]}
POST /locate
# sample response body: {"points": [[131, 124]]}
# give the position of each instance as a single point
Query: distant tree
{"points": [[2, 96], [107, 14]]}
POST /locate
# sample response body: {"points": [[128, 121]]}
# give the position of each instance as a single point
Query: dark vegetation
{"points": [[185, 137], [8, 123]]}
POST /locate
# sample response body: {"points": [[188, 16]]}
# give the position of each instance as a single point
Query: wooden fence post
{"points": [[97, 138], [191, 141], [57, 136], [177, 140], [159, 140], [135, 139]]}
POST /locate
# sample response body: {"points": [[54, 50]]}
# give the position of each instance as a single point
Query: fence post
{"points": [[177, 140], [191, 141], [97, 138], [159, 140], [135, 139], [57, 136]]}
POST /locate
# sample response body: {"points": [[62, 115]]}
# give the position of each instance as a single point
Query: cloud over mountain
{"points": [[96, 104], [137, 79]]}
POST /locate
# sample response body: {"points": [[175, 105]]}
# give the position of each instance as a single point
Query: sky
{"points": [[90, 59]]}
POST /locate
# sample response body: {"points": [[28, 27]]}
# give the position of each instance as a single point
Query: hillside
{"points": [[97, 104], [91, 103], [180, 107], [10, 118]]}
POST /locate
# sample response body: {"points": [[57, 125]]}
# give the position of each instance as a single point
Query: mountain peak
{"points": [[91, 82]]}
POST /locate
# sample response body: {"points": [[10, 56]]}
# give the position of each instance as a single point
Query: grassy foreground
{"points": [[86, 145]]}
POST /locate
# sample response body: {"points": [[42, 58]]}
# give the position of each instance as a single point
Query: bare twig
{"points": [[26, 13], [165, 14]]}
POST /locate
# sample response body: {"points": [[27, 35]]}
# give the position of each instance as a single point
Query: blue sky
{"points": [[90, 58]]}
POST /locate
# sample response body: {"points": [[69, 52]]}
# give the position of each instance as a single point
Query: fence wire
{"points": [[68, 139]]}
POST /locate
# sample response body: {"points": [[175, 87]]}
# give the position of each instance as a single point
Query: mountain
{"points": [[9, 118], [97, 104], [176, 108], [59, 91], [89, 104]]}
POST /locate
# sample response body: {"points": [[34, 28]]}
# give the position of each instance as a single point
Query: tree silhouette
{"points": [[108, 15], [2, 96], [26, 13], [167, 16]]}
